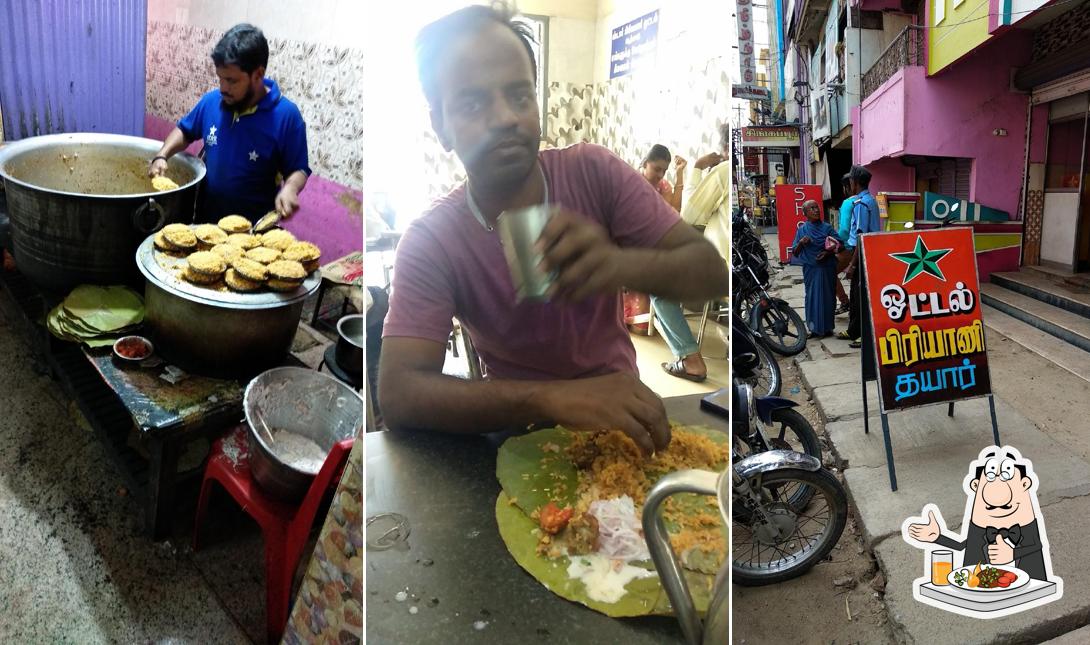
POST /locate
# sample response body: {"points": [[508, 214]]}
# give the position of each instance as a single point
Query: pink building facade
{"points": [[968, 112], [996, 113]]}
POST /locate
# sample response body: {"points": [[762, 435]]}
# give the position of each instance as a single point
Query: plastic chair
{"points": [[284, 526]]}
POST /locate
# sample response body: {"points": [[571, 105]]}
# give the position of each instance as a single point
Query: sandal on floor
{"points": [[677, 368], [844, 336], [855, 344], [842, 309]]}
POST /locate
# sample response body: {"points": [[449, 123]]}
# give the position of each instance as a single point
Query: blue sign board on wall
{"points": [[633, 44]]}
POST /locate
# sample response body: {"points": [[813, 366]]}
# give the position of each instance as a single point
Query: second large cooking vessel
{"points": [[81, 203], [217, 333]]}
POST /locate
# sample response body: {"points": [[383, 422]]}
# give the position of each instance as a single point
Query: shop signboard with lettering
{"points": [[747, 61], [789, 199], [783, 136], [633, 44], [923, 298]]}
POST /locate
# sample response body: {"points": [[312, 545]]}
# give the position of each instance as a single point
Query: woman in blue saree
{"points": [[815, 249]]}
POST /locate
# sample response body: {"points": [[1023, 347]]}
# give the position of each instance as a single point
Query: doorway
{"points": [[1065, 229]]}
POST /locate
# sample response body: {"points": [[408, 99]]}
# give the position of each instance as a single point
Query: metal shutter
{"points": [[949, 177], [963, 172]]}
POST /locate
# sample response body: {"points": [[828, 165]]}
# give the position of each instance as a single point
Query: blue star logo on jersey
{"points": [[210, 140]]}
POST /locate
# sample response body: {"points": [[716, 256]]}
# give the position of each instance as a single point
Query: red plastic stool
{"points": [[285, 527]]}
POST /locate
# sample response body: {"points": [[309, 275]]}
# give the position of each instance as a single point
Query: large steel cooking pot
{"points": [[217, 333], [81, 203]]}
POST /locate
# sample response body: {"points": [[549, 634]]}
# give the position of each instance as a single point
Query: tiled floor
{"points": [[652, 352]]}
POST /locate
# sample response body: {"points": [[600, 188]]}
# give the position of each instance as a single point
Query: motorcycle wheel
{"points": [[766, 380], [790, 551], [789, 431], [780, 326]]}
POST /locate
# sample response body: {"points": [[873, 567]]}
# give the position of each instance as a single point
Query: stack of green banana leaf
{"points": [[96, 316]]}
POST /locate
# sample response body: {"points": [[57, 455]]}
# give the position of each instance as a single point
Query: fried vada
{"points": [[245, 240], [262, 254], [236, 282], [286, 275], [250, 270], [305, 253], [235, 224], [179, 236], [209, 235], [278, 239]]}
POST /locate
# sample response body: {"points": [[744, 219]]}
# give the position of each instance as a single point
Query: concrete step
{"points": [[1038, 286], [1062, 353], [1062, 276], [1061, 323]]}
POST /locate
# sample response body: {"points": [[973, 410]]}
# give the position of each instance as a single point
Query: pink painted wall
{"points": [[330, 215], [890, 175], [953, 114], [156, 128]]}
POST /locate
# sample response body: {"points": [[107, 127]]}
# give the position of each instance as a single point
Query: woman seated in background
{"points": [[654, 168], [815, 248]]}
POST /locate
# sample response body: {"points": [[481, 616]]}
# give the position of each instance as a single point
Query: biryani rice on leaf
{"points": [[574, 473]]}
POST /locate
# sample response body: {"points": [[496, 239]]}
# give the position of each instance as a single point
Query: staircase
{"points": [[1044, 310]]}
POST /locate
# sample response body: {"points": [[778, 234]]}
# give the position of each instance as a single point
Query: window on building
{"points": [[1064, 154], [539, 26]]}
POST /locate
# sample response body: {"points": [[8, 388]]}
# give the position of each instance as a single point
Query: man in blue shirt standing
{"points": [[844, 226], [255, 140], [865, 219]]}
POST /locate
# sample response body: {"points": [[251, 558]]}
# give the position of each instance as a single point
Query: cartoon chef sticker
{"points": [[1005, 566]]}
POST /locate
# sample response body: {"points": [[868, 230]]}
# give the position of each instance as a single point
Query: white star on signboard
{"points": [[253, 155]]}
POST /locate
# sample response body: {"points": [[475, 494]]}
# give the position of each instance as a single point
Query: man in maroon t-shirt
{"points": [[569, 360]]}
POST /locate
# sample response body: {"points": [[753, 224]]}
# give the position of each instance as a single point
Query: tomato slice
{"points": [[1004, 582], [553, 519]]}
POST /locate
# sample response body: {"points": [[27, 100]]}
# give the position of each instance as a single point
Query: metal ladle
{"points": [[266, 223]]}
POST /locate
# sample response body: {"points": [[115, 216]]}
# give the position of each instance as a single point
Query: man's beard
{"points": [[500, 178], [242, 104]]}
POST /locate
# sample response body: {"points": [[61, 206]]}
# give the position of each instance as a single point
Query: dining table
{"points": [[437, 570]]}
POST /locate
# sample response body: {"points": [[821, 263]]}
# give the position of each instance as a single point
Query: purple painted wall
{"points": [[330, 215], [72, 66], [954, 115]]}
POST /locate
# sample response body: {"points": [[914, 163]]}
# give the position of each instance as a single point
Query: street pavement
{"points": [[932, 452]]}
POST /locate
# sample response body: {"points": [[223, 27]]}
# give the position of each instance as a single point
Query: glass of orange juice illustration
{"points": [[942, 563]]}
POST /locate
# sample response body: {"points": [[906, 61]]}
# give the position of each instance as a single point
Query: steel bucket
{"points": [[302, 401]]}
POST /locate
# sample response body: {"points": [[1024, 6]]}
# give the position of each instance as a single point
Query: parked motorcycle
{"points": [[753, 362], [787, 511], [781, 326]]}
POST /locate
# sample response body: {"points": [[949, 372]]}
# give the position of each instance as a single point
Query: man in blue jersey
{"points": [[255, 140]]}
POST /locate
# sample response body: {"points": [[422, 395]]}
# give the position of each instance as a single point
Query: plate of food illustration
{"points": [[988, 579]]}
